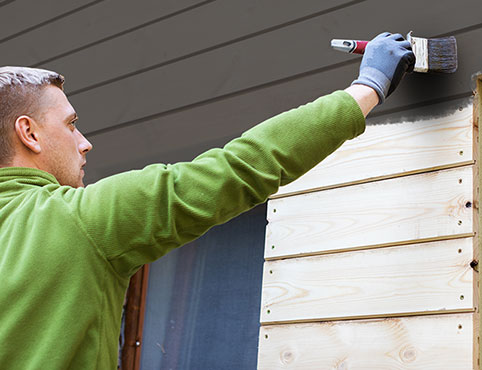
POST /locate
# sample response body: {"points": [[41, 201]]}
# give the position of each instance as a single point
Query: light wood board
{"points": [[441, 342], [428, 206], [388, 150], [477, 219], [419, 278]]}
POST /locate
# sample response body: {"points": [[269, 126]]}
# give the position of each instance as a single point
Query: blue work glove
{"points": [[386, 59]]}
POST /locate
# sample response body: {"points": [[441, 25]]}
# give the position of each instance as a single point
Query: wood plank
{"points": [[420, 278], [411, 343], [478, 215], [388, 212], [391, 149], [20, 15], [244, 65], [235, 19]]}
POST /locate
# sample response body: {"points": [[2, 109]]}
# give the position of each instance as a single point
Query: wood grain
{"points": [[441, 342], [434, 205], [477, 217], [388, 150], [419, 278]]}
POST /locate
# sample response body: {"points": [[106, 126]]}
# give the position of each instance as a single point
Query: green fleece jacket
{"points": [[66, 254]]}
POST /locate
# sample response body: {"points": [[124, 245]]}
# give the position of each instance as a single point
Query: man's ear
{"points": [[25, 128]]}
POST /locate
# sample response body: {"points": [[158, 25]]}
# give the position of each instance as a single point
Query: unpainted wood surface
{"points": [[392, 149], [419, 278], [477, 220], [441, 342], [400, 210]]}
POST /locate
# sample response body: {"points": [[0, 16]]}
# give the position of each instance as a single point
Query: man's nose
{"points": [[85, 145]]}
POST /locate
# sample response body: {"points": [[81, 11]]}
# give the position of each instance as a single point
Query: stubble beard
{"points": [[66, 173]]}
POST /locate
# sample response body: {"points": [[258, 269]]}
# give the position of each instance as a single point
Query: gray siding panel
{"points": [[5, 2], [85, 29], [21, 16], [219, 23], [213, 26], [267, 58], [197, 87], [196, 32]]}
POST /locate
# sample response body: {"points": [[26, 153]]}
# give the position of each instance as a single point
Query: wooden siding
{"points": [[394, 343], [366, 250], [392, 150], [417, 279], [428, 206], [162, 81]]}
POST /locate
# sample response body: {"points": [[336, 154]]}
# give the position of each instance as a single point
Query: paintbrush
{"points": [[431, 55]]}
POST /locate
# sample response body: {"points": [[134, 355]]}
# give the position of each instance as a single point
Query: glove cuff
{"points": [[376, 80]]}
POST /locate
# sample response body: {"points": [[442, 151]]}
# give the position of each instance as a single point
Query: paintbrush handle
{"points": [[349, 46]]}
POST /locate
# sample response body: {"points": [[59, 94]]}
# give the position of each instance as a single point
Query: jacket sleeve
{"points": [[137, 216]]}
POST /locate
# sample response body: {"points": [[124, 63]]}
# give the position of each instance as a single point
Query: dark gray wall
{"points": [[162, 81], [165, 80]]}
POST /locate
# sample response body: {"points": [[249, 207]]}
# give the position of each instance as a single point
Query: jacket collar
{"points": [[25, 176]]}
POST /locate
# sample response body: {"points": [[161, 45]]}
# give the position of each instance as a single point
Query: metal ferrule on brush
{"points": [[434, 55], [419, 48]]}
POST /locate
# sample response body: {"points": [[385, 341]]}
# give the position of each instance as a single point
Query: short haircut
{"points": [[20, 93]]}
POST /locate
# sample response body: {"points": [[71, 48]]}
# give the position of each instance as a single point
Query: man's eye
{"points": [[73, 123]]}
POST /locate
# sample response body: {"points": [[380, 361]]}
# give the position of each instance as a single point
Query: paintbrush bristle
{"points": [[442, 55]]}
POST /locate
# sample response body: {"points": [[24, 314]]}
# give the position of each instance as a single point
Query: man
{"points": [[67, 251]]}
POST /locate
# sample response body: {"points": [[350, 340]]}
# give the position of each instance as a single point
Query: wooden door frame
{"points": [[134, 319]]}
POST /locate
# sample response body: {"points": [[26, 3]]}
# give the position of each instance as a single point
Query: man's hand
{"points": [[386, 60]]}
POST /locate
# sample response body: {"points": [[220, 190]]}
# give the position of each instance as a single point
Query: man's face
{"points": [[63, 147]]}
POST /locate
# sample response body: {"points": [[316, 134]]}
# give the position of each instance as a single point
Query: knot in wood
{"points": [[287, 357], [408, 354]]}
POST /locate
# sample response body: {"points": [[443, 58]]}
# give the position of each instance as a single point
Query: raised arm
{"points": [[137, 216]]}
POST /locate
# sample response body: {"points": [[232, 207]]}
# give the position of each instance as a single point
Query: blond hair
{"points": [[20, 92]]}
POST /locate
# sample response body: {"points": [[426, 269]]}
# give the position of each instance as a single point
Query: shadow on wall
{"points": [[419, 87]]}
